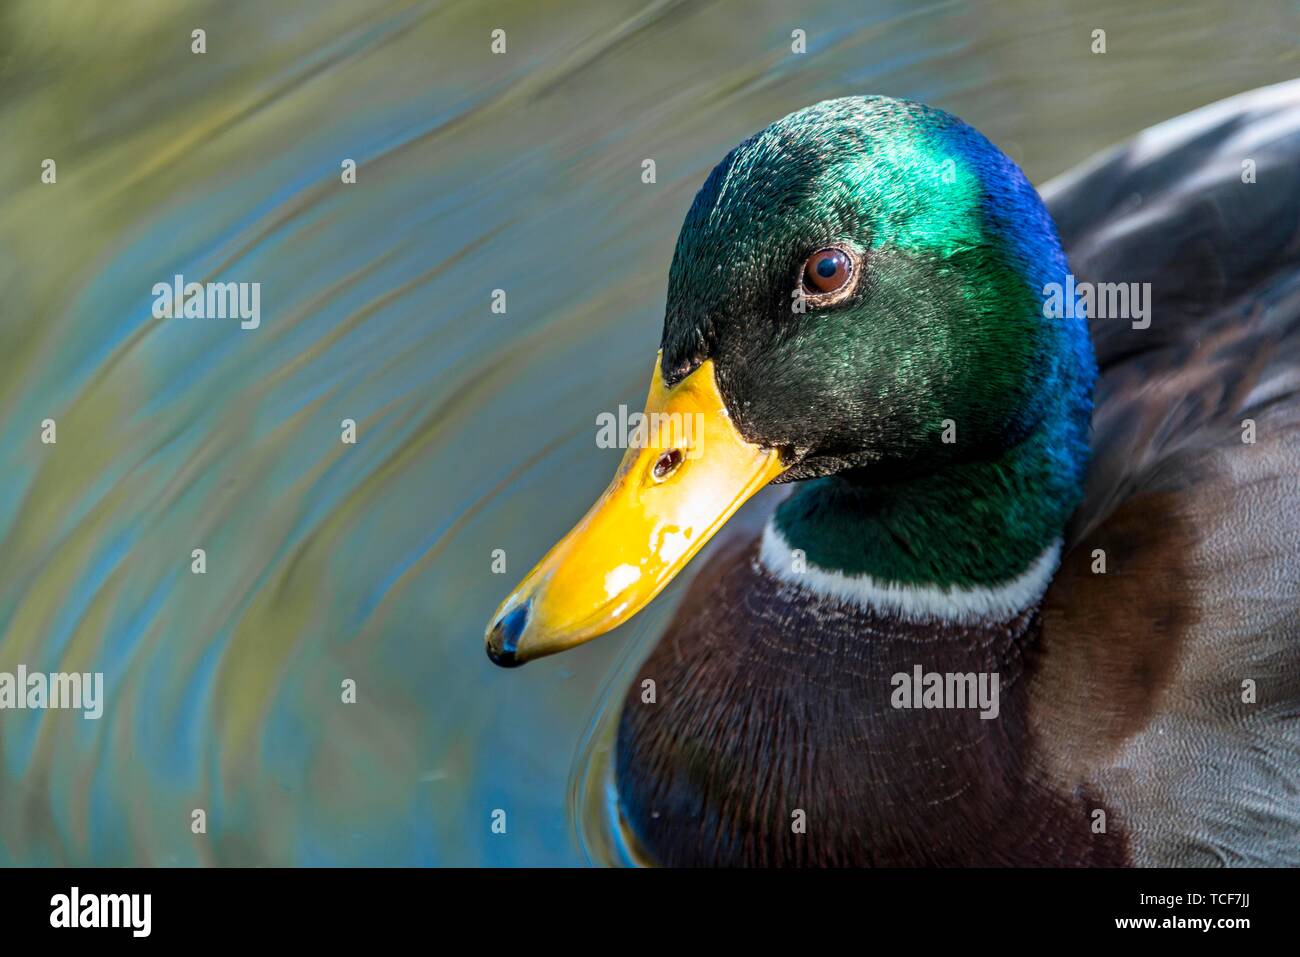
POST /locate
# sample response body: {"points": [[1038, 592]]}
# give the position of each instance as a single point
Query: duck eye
{"points": [[827, 270]]}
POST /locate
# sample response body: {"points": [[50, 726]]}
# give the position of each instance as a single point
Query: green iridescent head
{"points": [[867, 279], [867, 273]]}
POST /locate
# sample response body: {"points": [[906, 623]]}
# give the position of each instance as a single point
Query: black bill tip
{"points": [[503, 639]]}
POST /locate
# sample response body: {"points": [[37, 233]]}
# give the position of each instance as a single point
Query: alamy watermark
{"points": [[209, 300], [933, 689], [657, 430], [132, 912], [36, 690], [1103, 300]]}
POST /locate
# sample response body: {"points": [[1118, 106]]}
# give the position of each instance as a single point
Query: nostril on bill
{"points": [[667, 464]]}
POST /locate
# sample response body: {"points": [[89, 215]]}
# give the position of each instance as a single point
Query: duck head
{"points": [[857, 292]]}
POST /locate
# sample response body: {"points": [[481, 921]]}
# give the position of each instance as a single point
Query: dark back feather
{"points": [[1170, 684], [1222, 256]]}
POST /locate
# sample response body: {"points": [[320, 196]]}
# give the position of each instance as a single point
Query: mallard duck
{"points": [[1035, 597]]}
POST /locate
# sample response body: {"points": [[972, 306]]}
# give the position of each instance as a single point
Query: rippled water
{"points": [[373, 562]]}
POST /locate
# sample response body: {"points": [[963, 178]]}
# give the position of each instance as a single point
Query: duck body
{"points": [[1122, 737], [816, 768], [1033, 597]]}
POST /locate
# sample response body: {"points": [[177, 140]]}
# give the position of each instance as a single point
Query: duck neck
{"points": [[974, 529]]}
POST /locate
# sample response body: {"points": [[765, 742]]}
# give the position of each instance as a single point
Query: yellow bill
{"points": [[690, 470]]}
